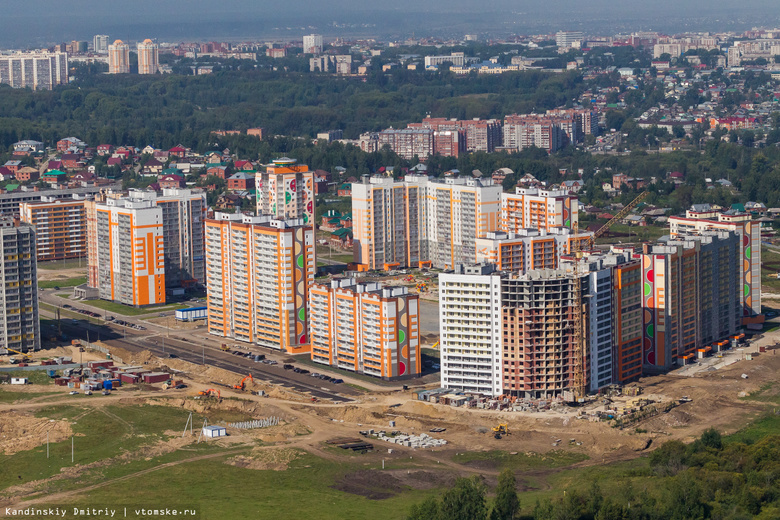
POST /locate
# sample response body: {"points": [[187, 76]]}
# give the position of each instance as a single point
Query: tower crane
{"points": [[579, 387]]}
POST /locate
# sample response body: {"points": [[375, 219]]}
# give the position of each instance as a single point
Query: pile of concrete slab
{"points": [[412, 441]]}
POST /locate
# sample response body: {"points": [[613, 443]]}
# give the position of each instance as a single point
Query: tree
{"points": [[507, 503], [427, 510], [711, 439], [464, 501]]}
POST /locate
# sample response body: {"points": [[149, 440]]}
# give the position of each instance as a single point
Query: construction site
{"points": [[387, 442]]}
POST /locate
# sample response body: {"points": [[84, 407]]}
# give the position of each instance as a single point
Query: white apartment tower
{"points": [[312, 44], [35, 70], [471, 330], [100, 43]]}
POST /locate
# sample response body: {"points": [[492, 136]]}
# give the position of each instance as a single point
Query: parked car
{"points": [[73, 392], [288, 367]]}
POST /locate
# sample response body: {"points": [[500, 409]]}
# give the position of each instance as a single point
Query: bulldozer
{"points": [[242, 384], [501, 429]]}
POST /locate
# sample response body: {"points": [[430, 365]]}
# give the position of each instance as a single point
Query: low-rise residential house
{"points": [[241, 181], [170, 181], [27, 174]]}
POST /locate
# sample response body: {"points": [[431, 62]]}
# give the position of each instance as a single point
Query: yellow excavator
{"points": [[501, 429]]}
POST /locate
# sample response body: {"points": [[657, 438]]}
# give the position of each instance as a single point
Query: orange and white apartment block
{"points": [[258, 273], [540, 209], [421, 222], [129, 257], [286, 190], [528, 248], [60, 226], [365, 328]]}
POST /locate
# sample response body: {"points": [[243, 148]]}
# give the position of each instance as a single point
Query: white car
{"points": [[73, 392]]}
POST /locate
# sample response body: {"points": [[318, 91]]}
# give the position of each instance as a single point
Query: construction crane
{"points": [[25, 357], [242, 384], [579, 387]]}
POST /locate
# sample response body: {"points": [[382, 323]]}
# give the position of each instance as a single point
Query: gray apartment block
{"points": [[19, 325]]}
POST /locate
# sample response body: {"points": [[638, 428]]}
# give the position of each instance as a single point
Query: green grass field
{"points": [[67, 282], [770, 264], [118, 308]]}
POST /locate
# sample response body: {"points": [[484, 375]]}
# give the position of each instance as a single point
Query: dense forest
{"points": [[172, 109], [711, 478]]}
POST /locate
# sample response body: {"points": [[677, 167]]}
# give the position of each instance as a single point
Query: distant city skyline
{"points": [[40, 23]]}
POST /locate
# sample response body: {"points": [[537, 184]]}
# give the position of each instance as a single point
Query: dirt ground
{"points": [[51, 274], [20, 431]]}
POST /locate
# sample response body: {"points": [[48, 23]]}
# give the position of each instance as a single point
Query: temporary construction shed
{"points": [[214, 431]]}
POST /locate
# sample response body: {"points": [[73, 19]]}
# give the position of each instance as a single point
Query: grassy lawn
{"points": [[522, 461], [118, 308], [67, 282], [219, 490], [56, 265], [35, 377], [12, 397], [64, 313], [770, 264]]}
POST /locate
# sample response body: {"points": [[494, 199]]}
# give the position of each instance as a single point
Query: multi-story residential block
{"points": [[409, 142], [456, 59], [528, 249], [690, 296], [100, 43], [418, 221], [258, 274], [702, 218], [569, 39], [480, 135], [286, 190], [118, 58], [312, 44], [19, 323], [184, 216], [60, 227], [459, 211], [539, 209], [34, 70], [365, 328], [471, 329], [550, 133], [627, 329], [148, 57], [130, 251]]}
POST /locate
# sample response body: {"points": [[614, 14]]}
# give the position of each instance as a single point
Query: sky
{"points": [[44, 22]]}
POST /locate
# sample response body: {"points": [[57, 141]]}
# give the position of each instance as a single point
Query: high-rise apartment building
{"points": [[286, 190], [418, 221], [129, 251], [119, 58], [480, 135], [627, 329], [539, 209], [100, 43], [701, 218], [529, 248], [148, 57], [35, 70], [60, 227], [471, 328], [409, 142], [569, 39], [690, 296], [312, 44], [19, 324], [258, 274], [365, 328], [182, 234]]}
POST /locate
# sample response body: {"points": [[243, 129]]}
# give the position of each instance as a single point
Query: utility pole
{"points": [[71, 451]]}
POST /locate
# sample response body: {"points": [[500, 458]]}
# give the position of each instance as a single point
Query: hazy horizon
{"points": [[37, 23]]}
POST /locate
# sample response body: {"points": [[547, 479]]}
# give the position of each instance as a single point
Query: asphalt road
{"points": [[271, 373], [189, 349]]}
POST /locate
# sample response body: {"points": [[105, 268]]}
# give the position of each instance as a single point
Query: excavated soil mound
{"points": [[21, 432], [374, 485]]}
